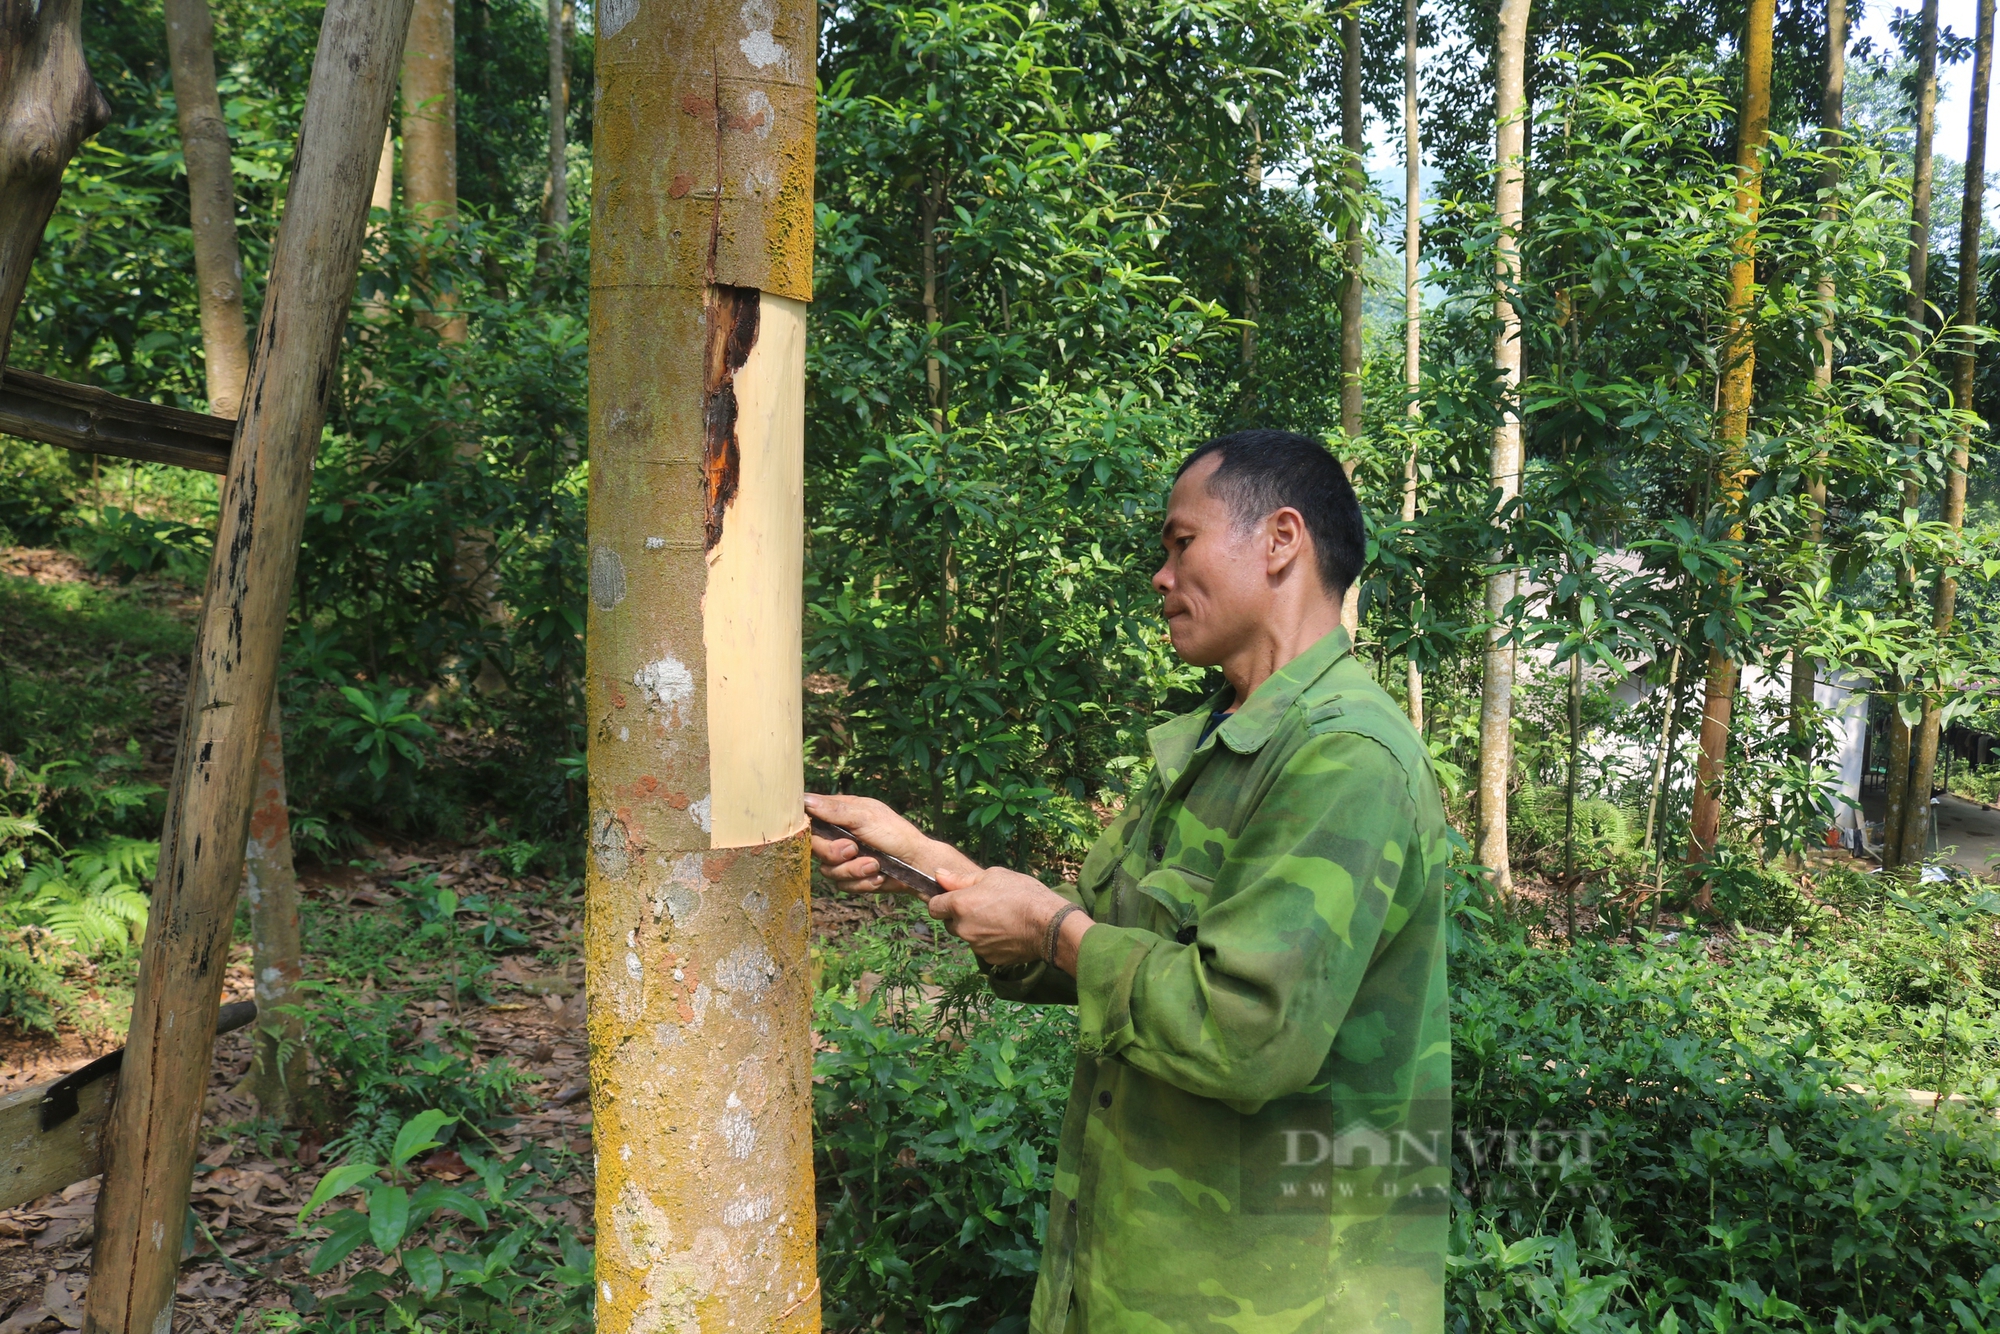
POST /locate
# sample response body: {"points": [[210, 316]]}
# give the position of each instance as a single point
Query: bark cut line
{"points": [[732, 331]]}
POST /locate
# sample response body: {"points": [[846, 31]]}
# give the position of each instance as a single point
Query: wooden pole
{"points": [[218, 263], [1972, 213], [155, 1125], [49, 105], [1739, 365], [1496, 692], [695, 943]]}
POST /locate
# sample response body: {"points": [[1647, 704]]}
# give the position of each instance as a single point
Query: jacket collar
{"points": [[1174, 743]]}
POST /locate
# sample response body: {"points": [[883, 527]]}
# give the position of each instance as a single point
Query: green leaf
{"points": [[388, 1217], [340, 1180], [425, 1269], [418, 1134], [349, 1230]]}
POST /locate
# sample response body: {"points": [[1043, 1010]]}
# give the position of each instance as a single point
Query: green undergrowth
{"points": [[1690, 1130], [78, 815]]}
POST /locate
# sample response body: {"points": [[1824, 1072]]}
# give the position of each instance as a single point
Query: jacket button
{"points": [[1185, 936], [1104, 1098], [1072, 1208]]}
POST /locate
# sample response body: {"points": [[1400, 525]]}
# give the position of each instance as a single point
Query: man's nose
{"points": [[1163, 580]]}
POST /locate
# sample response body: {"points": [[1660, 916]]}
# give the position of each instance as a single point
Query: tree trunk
{"points": [[218, 266], [278, 1069], [1658, 790], [1496, 695], [49, 105], [155, 1127], [1575, 721], [430, 143], [1413, 309], [270, 882], [1354, 144], [1739, 366], [697, 925], [1253, 278], [1916, 823], [554, 245], [1897, 795], [1804, 669]]}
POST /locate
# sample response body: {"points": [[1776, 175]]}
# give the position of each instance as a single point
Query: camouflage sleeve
{"points": [[1249, 1010], [1034, 983]]}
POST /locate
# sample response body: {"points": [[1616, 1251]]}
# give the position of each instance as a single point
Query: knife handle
{"points": [[892, 868]]}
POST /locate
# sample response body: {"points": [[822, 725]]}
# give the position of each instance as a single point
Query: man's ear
{"points": [[1288, 540]]}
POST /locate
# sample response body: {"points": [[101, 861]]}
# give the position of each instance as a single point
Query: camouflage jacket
{"points": [[1258, 1135]]}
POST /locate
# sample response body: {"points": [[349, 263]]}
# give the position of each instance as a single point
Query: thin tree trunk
{"points": [[1246, 360], [696, 530], [1804, 669], [270, 883], [155, 1125], [218, 265], [1569, 794], [49, 105], [1666, 746], [933, 211], [1897, 796], [430, 143], [1413, 309], [1916, 824], [555, 200], [1353, 142], [1738, 377], [1496, 695]]}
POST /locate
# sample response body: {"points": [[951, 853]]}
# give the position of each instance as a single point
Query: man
{"points": [[1258, 1135]]}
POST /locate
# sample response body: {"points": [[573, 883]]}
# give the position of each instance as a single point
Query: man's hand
{"points": [[1005, 915], [875, 824]]}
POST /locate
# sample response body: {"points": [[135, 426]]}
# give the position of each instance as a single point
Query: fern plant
{"points": [[90, 900]]}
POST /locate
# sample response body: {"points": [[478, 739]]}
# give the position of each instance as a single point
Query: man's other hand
{"points": [[1005, 916], [876, 825]]}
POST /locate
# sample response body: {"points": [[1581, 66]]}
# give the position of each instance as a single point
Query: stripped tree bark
{"points": [[155, 1125], [1804, 669], [49, 105], [1916, 824], [1897, 789], [1413, 309], [1353, 143], [218, 263], [1739, 365], [1496, 693], [696, 932]]}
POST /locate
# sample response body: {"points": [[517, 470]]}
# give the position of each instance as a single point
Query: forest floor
{"points": [[250, 1252]]}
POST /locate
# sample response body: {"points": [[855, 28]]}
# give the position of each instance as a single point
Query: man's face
{"points": [[1215, 580]]}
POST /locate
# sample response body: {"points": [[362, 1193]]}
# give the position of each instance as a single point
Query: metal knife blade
{"points": [[893, 868]]}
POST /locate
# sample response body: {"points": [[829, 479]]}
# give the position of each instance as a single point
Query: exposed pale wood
{"points": [[430, 141], [1353, 142], [151, 1144], [45, 1146], [97, 421], [695, 944], [218, 263], [49, 105]]}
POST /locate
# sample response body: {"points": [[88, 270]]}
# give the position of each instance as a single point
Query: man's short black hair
{"points": [[1265, 471]]}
